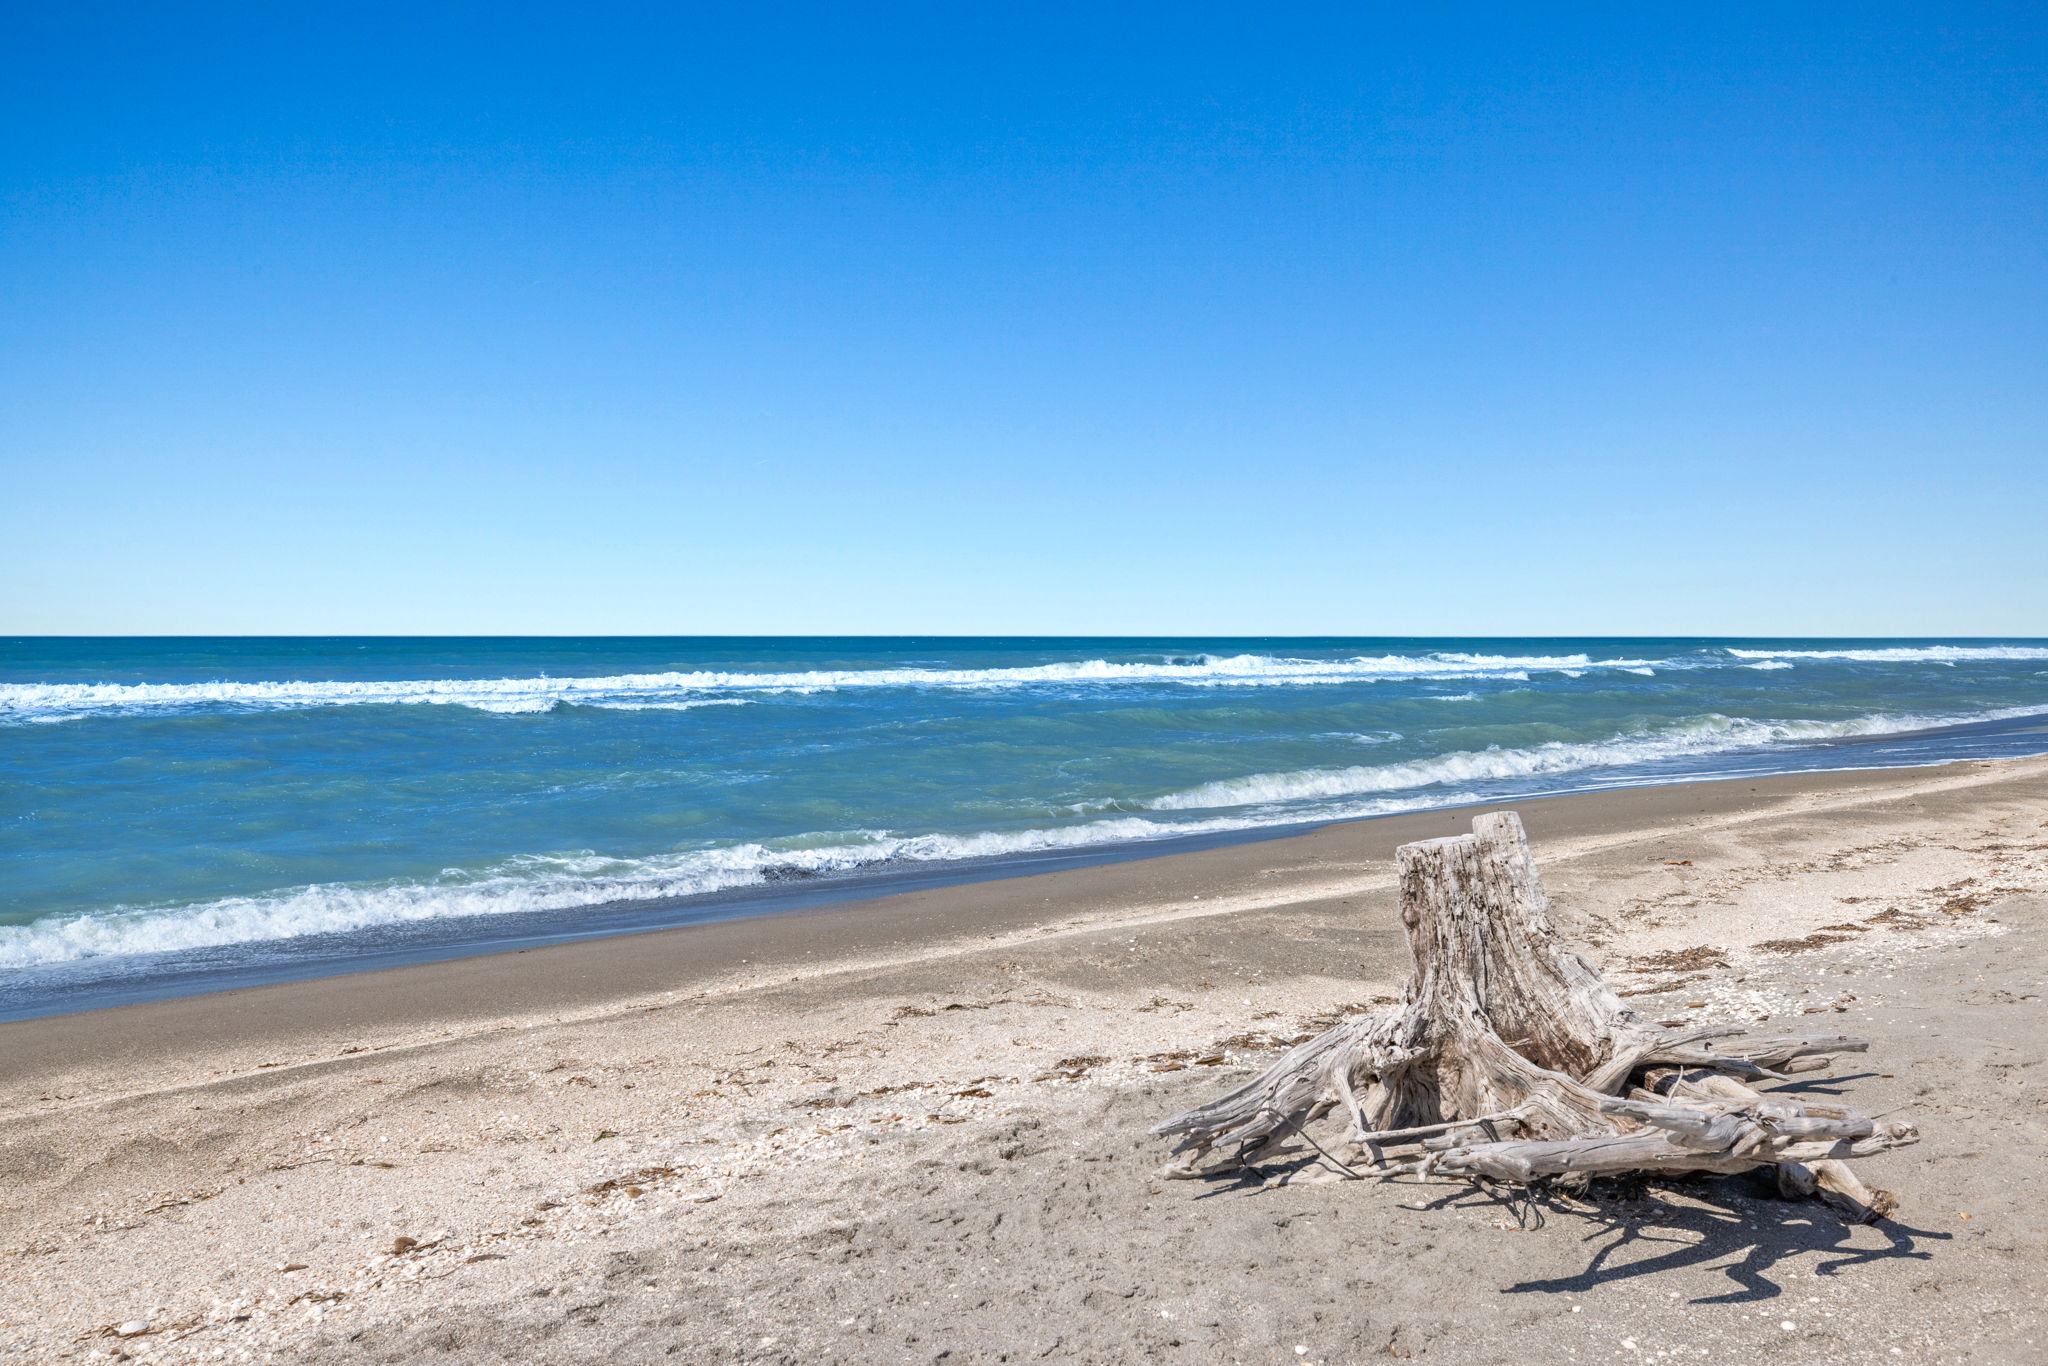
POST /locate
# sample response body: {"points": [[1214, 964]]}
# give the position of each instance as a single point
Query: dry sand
{"points": [[913, 1130]]}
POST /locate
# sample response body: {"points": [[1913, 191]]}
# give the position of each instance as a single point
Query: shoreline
{"points": [[615, 970]]}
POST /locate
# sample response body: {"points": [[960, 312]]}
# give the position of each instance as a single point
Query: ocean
{"points": [[188, 814]]}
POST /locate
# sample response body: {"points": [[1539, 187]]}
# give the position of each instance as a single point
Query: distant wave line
{"points": [[23, 701]]}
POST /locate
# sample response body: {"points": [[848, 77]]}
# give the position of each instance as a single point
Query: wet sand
{"points": [[913, 1129]]}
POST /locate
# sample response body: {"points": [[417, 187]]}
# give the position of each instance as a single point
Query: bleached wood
{"points": [[1511, 1058]]}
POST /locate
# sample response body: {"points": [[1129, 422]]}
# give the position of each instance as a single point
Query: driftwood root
{"points": [[1512, 1059]]}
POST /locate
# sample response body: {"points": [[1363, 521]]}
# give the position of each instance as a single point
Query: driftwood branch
{"points": [[1512, 1059]]}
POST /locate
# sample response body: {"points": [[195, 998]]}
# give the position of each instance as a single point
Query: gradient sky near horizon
{"points": [[1363, 319]]}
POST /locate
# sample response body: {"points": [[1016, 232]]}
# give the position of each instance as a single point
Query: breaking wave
{"points": [[563, 882], [1710, 734], [684, 690]]}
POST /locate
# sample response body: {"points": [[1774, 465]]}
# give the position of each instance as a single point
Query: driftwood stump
{"points": [[1512, 1059]]}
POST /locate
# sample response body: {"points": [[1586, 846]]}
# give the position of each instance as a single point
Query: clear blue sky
{"points": [[1026, 318]]}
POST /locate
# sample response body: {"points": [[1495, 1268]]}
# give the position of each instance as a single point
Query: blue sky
{"points": [[1052, 318]]}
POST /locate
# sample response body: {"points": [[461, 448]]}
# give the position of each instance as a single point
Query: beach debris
{"points": [[176, 1201], [1512, 1060], [1072, 1069], [1677, 960], [1811, 941], [828, 1102]]}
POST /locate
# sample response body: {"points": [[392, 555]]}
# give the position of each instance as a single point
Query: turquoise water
{"points": [[187, 810]]}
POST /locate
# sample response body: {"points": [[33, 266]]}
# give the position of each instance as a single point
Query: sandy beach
{"points": [[1029, 685], [914, 1129]]}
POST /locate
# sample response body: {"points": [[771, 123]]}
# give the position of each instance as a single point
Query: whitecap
{"points": [[673, 706], [1906, 654]]}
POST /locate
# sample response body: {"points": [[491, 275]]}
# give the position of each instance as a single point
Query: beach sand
{"points": [[914, 1129]]}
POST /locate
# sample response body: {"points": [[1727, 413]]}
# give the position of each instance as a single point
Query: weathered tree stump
{"points": [[1512, 1059]]}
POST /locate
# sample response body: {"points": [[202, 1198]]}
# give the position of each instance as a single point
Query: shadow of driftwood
{"points": [[1822, 1086], [1723, 1223]]}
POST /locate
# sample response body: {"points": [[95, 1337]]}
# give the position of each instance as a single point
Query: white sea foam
{"points": [[1907, 654], [1367, 737], [1708, 734], [40, 701], [673, 706], [1768, 664], [552, 883]]}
